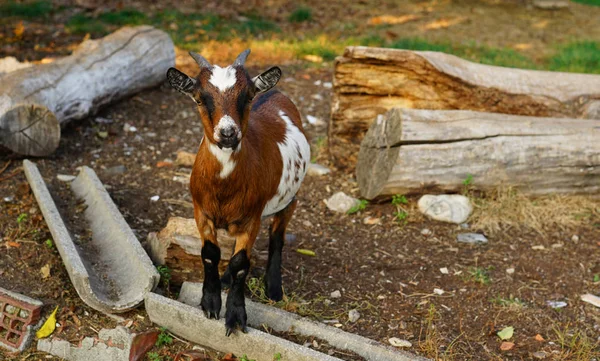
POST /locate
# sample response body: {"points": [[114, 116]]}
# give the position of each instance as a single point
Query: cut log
{"points": [[178, 246], [370, 81], [408, 151], [36, 100]]}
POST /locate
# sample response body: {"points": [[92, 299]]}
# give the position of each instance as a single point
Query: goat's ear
{"points": [[267, 79], [181, 81]]}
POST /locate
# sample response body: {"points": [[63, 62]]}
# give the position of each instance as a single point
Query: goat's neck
{"points": [[225, 160]]}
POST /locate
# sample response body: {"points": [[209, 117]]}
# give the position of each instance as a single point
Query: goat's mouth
{"points": [[228, 143]]}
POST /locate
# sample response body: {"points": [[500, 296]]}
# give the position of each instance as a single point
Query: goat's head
{"points": [[223, 96]]}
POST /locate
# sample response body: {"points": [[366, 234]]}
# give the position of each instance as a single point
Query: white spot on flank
{"points": [[295, 154], [224, 157], [222, 78]]}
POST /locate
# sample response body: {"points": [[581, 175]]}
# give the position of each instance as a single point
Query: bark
{"points": [[409, 151], [37, 100]]}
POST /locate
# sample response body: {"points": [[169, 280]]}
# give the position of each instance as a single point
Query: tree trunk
{"points": [[407, 151], [370, 81], [35, 101]]}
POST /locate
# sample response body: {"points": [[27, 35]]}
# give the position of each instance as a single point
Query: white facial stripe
{"points": [[222, 78], [295, 154], [224, 123], [224, 156]]}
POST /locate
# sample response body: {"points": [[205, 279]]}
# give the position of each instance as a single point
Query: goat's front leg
{"points": [[276, 240], [239, 266], [211, 255]]}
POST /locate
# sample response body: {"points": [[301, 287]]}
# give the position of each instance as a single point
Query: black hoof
{"points": [[274, 292], [211, 304], [235, 316]]}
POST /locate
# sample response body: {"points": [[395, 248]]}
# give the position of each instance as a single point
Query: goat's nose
{"points": [[227, 132]]}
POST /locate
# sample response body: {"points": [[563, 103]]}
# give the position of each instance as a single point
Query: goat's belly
{"points": [[295, 154]]}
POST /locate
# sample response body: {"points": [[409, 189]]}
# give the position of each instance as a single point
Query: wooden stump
{"points": [[409, 151], [35, 99], [370, 81]]}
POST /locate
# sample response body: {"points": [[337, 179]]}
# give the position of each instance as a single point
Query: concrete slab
{"points": [[282, 321], [190, 323], [111, 272], [18, 317]]}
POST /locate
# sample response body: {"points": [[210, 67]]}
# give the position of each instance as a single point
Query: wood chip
{"points": [[591, 299]]}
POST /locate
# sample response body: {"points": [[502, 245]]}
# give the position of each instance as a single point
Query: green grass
{"points": [[508, 302], [362, 204], [318, 47], [479, 275], [28, 10], [82, 24], [163, 338], [124, 17], [577, 57], [588, 2], [300, 15]]}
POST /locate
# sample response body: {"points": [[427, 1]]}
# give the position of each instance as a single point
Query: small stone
{"points": [[472, 238], [538, 248], [371, 220], [307, 224], [154, 198], [341, 202], [118, 169], [336, 294], [551, 4], [65, 177], [353, 315], [510, 271], [395, 341], [556, 304], [444, 270], [557, 245], [426, 231], [317, 170], [327, 85], [438, 291], [327, 302], [453, 208], [575, 238], [540, 355]]}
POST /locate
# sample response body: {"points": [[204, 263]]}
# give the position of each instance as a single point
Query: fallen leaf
{"points": [[229, 357], [393, 20], [395, 341], [539, 338], [141, 344], [48, 326], [193, 355], [505, 346], [313, 58], [163, 164], [102, 134], [13, 244], [45, 271], [19, 30], [591, 299], [506, 333], [306, 252]]}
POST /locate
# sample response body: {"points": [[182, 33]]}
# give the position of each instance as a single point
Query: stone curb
{"points": [[190, 323], [282, 321], [127, 272]]}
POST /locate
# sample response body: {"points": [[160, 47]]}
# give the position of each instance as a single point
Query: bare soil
{"points": [[388, 271]]}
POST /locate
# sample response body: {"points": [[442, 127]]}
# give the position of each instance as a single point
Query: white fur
{"points": [[222, 78], [225, 122], [224, 156], [294, 140]]}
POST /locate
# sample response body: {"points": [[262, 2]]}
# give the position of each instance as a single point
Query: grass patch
{"points": [[401, 214], [576, 345], [124, 17], [321, 46], [510, 302], [81, 24], [361, 206], [479, 275], [588, 2], [508, 208], [300, 15], [578, 57], [28, 10]]}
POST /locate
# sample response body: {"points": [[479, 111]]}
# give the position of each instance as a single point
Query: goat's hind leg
{"points": [[276, 240]]}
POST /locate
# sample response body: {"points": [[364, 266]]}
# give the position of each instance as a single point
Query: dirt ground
{"points": [[388, 271]]}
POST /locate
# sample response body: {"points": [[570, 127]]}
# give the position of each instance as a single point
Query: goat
{"points": [[250, 164]]}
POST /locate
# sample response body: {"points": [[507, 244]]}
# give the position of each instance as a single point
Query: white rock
{"points": [[327, 85], [538, 248], [426, 231], [473, 238], [575, 238], [335, 294], [317, 170], [65, 177], [438, 291], [444, 270], [540, 355], [371, 220], [556, 304], [353, 316], [341, 202], [510, 271], [154, 198], [395, 341], [453, 208], [591, 299]]}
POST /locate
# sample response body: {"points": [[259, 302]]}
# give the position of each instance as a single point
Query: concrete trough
{"points": [[111, 272], [282, 321], [190, 323]]}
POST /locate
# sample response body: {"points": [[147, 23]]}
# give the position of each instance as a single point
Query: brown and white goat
{"points": [[250, 164]]}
